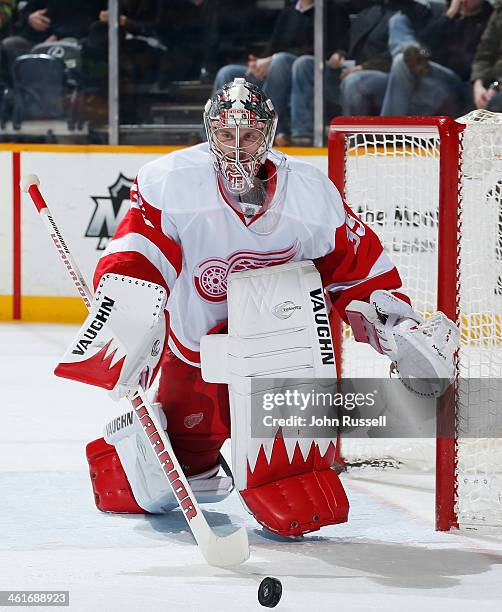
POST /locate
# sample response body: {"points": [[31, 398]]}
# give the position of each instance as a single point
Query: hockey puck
{"points": [[269, 592]]}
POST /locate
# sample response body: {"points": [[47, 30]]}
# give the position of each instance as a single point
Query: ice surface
{"points": [[387, 557]]}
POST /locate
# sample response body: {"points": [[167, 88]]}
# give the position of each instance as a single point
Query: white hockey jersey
{"points": [[182, 233]]}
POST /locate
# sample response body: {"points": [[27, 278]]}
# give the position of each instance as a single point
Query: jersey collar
{"points": [[269, 196]]}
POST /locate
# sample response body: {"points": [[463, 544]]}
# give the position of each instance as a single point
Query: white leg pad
{"points": [[145, 476]]}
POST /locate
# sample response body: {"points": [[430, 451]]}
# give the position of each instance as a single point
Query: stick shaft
{"points": [[64, 252]]}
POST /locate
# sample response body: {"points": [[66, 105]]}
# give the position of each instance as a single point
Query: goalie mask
{"points": [[240, 123]]}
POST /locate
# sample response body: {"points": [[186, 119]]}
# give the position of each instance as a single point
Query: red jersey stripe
{"points": [[153, 214], [133, 222], [129, 263], [193, 356], [362, 291]]}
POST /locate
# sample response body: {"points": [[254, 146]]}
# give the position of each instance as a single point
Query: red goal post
{"points": [[416, 166]]}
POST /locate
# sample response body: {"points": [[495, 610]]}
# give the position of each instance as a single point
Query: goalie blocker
{"points": [[122, 339]]}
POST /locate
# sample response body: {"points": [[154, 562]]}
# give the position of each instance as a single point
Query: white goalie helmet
{"points": [[240, 124]]}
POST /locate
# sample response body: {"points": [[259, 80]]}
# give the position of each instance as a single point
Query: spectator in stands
{"points": [[138, 60], [159, 41], [486, 73], [363, 85], [238, 29], [49, 20], [302, 97], [432, 74], [292, 38], [140, 54], [368, 38]]}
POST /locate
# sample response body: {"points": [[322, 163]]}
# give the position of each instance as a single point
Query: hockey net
{"points": [[431, 188]]}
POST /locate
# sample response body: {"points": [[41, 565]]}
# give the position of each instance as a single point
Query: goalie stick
{"points": [[220, 551]]}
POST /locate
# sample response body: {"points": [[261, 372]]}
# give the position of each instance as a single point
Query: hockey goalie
{"points": [[226, 270]]}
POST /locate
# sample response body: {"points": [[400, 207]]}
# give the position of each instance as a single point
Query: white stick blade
{"points": [[28, 180], [229, 550]]}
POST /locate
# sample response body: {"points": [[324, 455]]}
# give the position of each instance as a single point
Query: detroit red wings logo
{"points": [[193, 419], [210, 276]]}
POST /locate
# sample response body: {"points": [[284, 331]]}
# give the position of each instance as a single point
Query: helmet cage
{"points": [[237, 106]]}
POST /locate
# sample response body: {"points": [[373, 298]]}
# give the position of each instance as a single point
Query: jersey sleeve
{"points": [[357, 264], [141, 246]]}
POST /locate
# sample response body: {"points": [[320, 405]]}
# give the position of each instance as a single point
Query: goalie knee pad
{"points": [[112, 492], [278, 328], [127, 477]]}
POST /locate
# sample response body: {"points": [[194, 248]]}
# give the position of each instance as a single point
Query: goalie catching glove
{"points": [[120, 343], [422, 351]]}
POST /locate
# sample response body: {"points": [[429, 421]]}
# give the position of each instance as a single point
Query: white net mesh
{"points": [[392, 182], [393, 185], [479, 460]]}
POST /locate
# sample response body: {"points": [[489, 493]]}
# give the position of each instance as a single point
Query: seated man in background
{"points": [[46, 21], [137, 18], [369, 61], [140, 56], [292, 38], [417, 86], [486, 73], [363, 85]]}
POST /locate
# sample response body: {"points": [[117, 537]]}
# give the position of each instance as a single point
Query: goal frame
{"points": [[449, 133]]}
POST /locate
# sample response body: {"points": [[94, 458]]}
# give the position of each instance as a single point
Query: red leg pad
{"points": [[112, 492], [299, 504]]}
